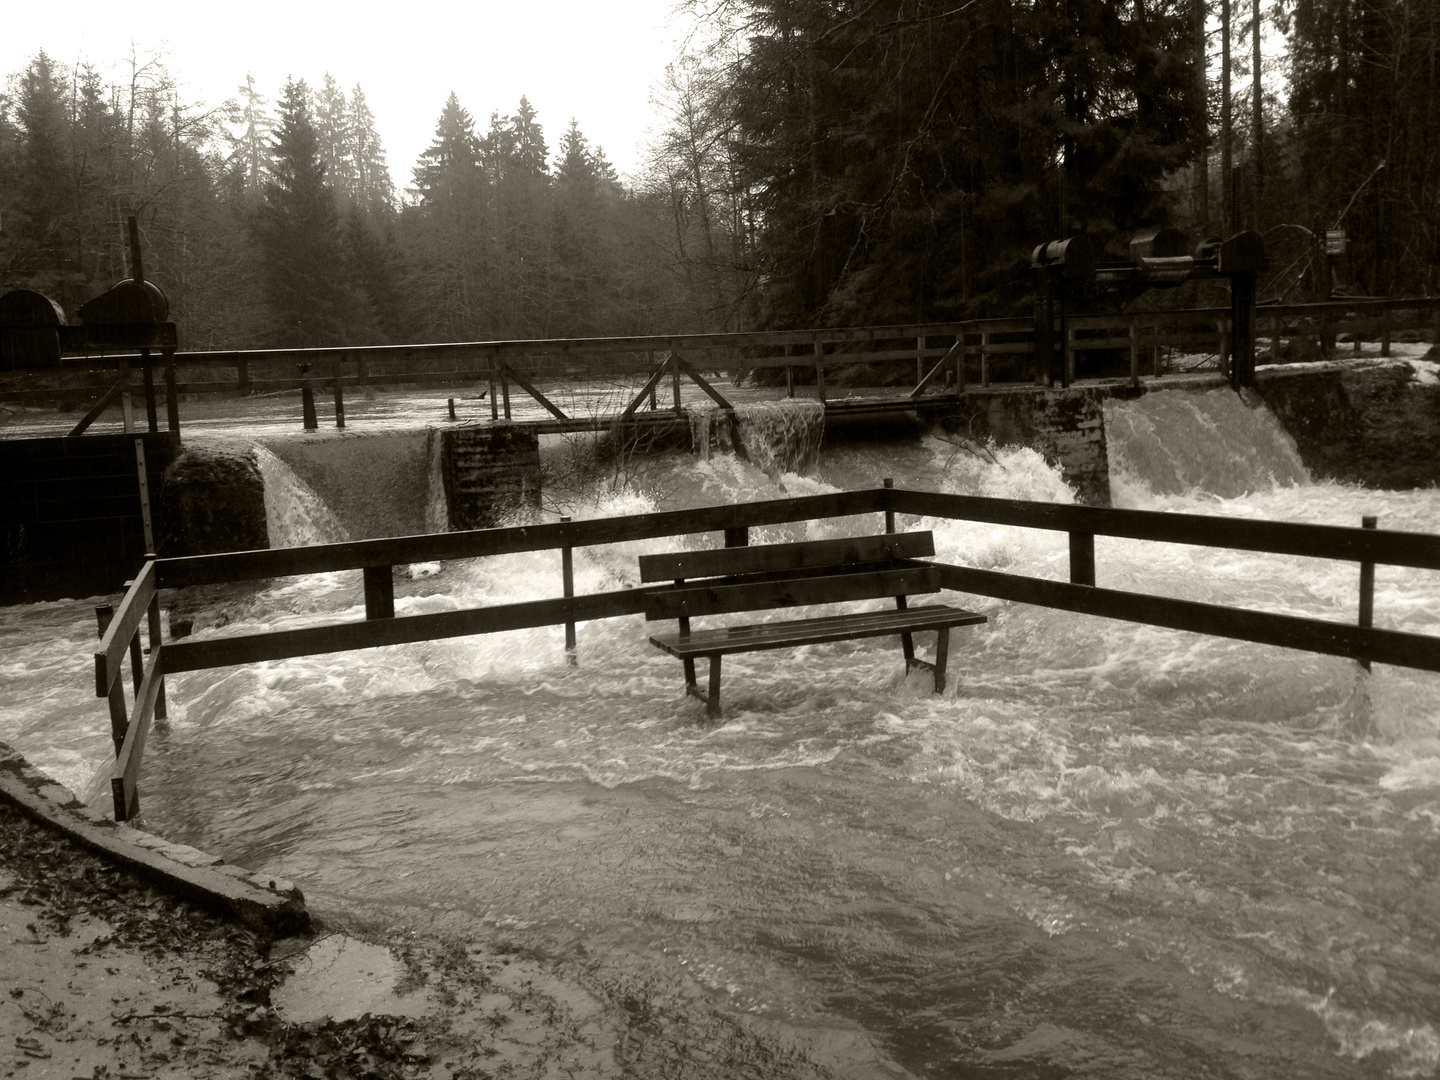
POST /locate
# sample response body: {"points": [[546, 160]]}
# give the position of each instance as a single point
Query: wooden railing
{"points": [[1367, 546], [946, 355]]}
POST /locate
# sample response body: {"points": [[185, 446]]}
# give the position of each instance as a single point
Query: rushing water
{"points": [[1107, 850]]}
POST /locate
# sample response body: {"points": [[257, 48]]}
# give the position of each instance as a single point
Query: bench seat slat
{"points": [[796, 556], [717, 599], [782, 635]]}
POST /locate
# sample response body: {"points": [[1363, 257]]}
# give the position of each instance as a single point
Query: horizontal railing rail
{"points": [[1367, 546], [940, 348]]}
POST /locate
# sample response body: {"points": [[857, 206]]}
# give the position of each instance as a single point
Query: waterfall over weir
{"points": [[1107, 850], [774, 436], [1215, 443]]}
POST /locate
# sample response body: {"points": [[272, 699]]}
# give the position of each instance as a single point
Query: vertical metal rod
{"points": [[339, 395], [144, 481], [1367, 587]]}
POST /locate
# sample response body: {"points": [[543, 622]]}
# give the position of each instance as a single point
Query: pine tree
{"points": [[250, 147], [332, 129], [374, 190], [310, 298]]}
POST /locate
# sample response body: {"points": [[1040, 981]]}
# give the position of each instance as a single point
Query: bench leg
{"points": [[907, 646], [689, 673], [942, 652], [712, 704]]}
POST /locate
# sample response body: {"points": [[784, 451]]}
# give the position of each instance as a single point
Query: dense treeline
{"points": [[817, 162], [280, 225]]}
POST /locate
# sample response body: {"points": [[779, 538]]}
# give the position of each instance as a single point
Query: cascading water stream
{"points": [[1106, 850]]}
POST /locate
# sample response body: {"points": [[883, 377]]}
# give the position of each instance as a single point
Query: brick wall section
{"points": [[489, 471], [1066, 426], [70, 522]]}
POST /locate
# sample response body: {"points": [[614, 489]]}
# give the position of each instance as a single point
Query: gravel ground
{"points": [[103, 977]]}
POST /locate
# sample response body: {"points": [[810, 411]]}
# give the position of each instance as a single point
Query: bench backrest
{"points": [[804, 555], [789, 575]]}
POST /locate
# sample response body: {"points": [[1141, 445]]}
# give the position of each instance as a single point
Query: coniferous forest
{"points": [[815, 163]]}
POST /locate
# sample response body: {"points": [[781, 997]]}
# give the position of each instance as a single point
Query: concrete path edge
{"points": [[265, 903]]}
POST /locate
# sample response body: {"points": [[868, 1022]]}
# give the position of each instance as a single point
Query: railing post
{"points": [[494, 392], [650, 362], [984, 359], [737, 537], [919, 358], [339, 395], [379, 592], [1134, 331], [1082, 558], [819, 350], [172, 402], [452, 408], [789, 380], [505, 393], [119, 722], [153, 619], [1275, 340], [242, 376], [567, 577], [307, 399], [147, 374], [126, 409], [675, 375], [1385, 323], [1222, 327], [889, 483], [1367, 586]]}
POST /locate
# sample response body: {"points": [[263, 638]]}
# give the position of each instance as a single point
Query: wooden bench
{"points": [[791, 575]]}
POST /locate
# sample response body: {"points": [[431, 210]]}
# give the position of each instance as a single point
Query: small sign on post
{"points": [[1335, 241]]}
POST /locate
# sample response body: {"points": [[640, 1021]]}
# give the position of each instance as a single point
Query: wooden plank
{"points": [[194, 655], [687, 601], [106, 400], [1394, 548], [784, 635], [939, 368], [713, 394], [1289, 631], [647, 390], [432, 547], [126, 774], [794, 556], [122, 628], [530, 389]]}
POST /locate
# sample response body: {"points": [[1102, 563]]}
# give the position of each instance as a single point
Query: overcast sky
{"points": [[590, 59]]}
